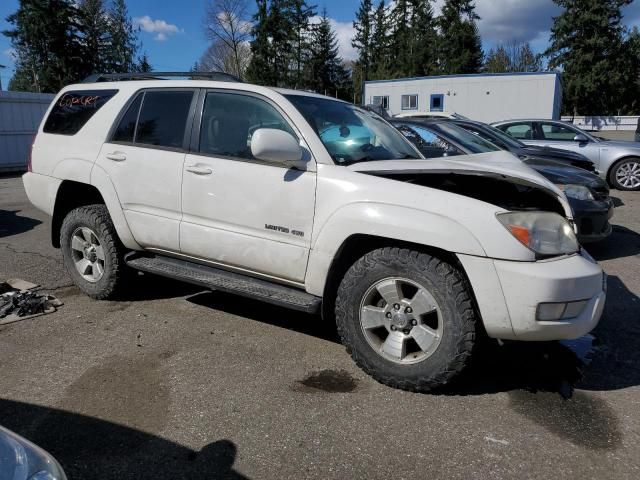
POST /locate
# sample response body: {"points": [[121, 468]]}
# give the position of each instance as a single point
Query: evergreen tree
{"points": [[301, 14], [631, 71], [143, 65], [401, 43], [424, 38], [326, 74], [497, 61], [260, 70], [460, 47], [380, 44], [94, 27], [45, 39], [124, 39], [527, 60], [587, 46], [362, 43]]}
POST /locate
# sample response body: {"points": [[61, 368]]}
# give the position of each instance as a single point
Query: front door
{"points": [[562, 136], [240, 212], [144, 159]]}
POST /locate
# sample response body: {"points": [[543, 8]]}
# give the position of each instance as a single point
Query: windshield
{"points": [[504, 137], [351, 134], [467, 140]]}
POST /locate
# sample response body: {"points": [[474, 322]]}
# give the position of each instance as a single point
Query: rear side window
{"points": [[521, 131], [127, 126], [74, 109], [157, 118], [163, 118]]}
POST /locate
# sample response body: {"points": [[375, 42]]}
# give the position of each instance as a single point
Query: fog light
{"points": [[549, 312]]}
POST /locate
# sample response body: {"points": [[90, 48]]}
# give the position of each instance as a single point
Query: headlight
{"points": [[545, 233], [579, 192]]}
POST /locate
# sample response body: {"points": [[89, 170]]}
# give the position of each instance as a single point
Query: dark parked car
{"points": [[587, 193], [638, 131], [507, 142]]}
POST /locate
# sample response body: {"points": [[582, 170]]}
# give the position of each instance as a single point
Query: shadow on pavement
{"points": [[90, 448], [623, 242], [272, 314], [13, 224]]}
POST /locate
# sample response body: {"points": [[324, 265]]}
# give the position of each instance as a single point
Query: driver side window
{"points": [[552, 131], [229, 121]]}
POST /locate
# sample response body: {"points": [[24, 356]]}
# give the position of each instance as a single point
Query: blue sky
{"points": [[172, 31]]}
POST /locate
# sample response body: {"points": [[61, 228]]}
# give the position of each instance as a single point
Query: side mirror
{"points": [[580, 138], [272, 145]]}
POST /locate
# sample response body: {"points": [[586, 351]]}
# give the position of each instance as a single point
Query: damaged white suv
{"points": [[314, 204]]}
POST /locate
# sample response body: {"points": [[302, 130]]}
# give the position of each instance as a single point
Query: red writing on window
{"points": [[68, 100]]}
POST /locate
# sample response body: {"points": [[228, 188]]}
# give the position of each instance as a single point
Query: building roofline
{"points": [[467, 75]]}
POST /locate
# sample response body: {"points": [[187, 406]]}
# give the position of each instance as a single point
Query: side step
{"points": [[217, 279]]}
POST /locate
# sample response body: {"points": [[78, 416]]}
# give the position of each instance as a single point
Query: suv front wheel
{"points": [[406, 318], [92, 252]]}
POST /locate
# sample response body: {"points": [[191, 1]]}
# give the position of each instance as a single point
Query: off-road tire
{"points": [[613, 181], [95, 217], [447, 286]]}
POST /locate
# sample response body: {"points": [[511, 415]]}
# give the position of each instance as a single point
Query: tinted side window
{"points": [[163, 118], [74, 109], [127, 126], [522, 131], [229, 121], [551, 131]]}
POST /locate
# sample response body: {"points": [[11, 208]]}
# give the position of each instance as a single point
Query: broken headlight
{"points": [[545, 233]]}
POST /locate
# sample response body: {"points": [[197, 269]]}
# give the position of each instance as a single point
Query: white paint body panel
{"points": [[156, 202]]}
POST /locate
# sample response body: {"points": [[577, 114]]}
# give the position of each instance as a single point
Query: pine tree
{"points": [[124, 39], [361, 41], [45, 39], [93, 24], [424, 38], [301, 14], [325, 72], [527, 60], [380, 43], [260, 70], [401, 43], [587, 45], [631, 71], [497, 61], [143, 65], [460, 47]]}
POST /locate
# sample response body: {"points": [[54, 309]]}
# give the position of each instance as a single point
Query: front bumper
{"points": [[592, 218], [508, 294]]}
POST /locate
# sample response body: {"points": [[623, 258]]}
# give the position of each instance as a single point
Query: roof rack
{"points": [[115, 77]]}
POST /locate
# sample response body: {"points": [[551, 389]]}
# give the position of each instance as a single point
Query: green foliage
{"points": [[588, 46], [460, 47], [381, 60], [512, 58], [143, 65], [363, 27], [58, 42]]}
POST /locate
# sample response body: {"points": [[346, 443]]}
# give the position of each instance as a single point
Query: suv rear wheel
{"points": [[92, 252], [406, 318]]}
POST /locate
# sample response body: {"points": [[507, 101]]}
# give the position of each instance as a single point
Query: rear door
{"points": [[240, 212], [144, 157]]}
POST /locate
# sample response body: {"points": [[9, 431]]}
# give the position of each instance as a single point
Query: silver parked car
{"points": [[616, 162]]}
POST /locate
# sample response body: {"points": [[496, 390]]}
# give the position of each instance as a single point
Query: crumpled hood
{"points": [[500, 164]]}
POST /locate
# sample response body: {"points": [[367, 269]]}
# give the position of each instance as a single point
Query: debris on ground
{"points": [[19, 300]]}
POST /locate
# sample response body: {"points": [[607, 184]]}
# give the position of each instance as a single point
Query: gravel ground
{"points": [[173, 382]]}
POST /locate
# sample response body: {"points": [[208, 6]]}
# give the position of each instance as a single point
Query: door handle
{"points": [[116, 156], [199, 170]]}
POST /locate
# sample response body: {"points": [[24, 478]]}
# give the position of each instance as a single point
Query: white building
{"points": [[484, 97]]}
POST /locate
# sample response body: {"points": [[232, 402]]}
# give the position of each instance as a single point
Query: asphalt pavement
{"points": [[173, 382]]}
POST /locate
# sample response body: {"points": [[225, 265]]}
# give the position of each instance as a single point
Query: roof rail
{"points": [[115, 77]]}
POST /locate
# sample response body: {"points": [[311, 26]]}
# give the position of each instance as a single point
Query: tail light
{"points": [[29, 160]]}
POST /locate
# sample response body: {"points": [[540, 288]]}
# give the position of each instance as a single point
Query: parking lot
{"points": [[175, 382]]}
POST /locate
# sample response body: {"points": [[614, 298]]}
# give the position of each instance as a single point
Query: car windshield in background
{"points": [[465, 139], [352, 134]]}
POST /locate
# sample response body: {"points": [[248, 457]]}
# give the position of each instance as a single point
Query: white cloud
{"points": [[161, 28]]}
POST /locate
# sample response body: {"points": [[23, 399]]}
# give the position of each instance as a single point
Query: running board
{"points": [[218, 279]]}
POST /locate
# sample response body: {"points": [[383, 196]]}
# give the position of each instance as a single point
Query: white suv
{"points": [[311, 203]]}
